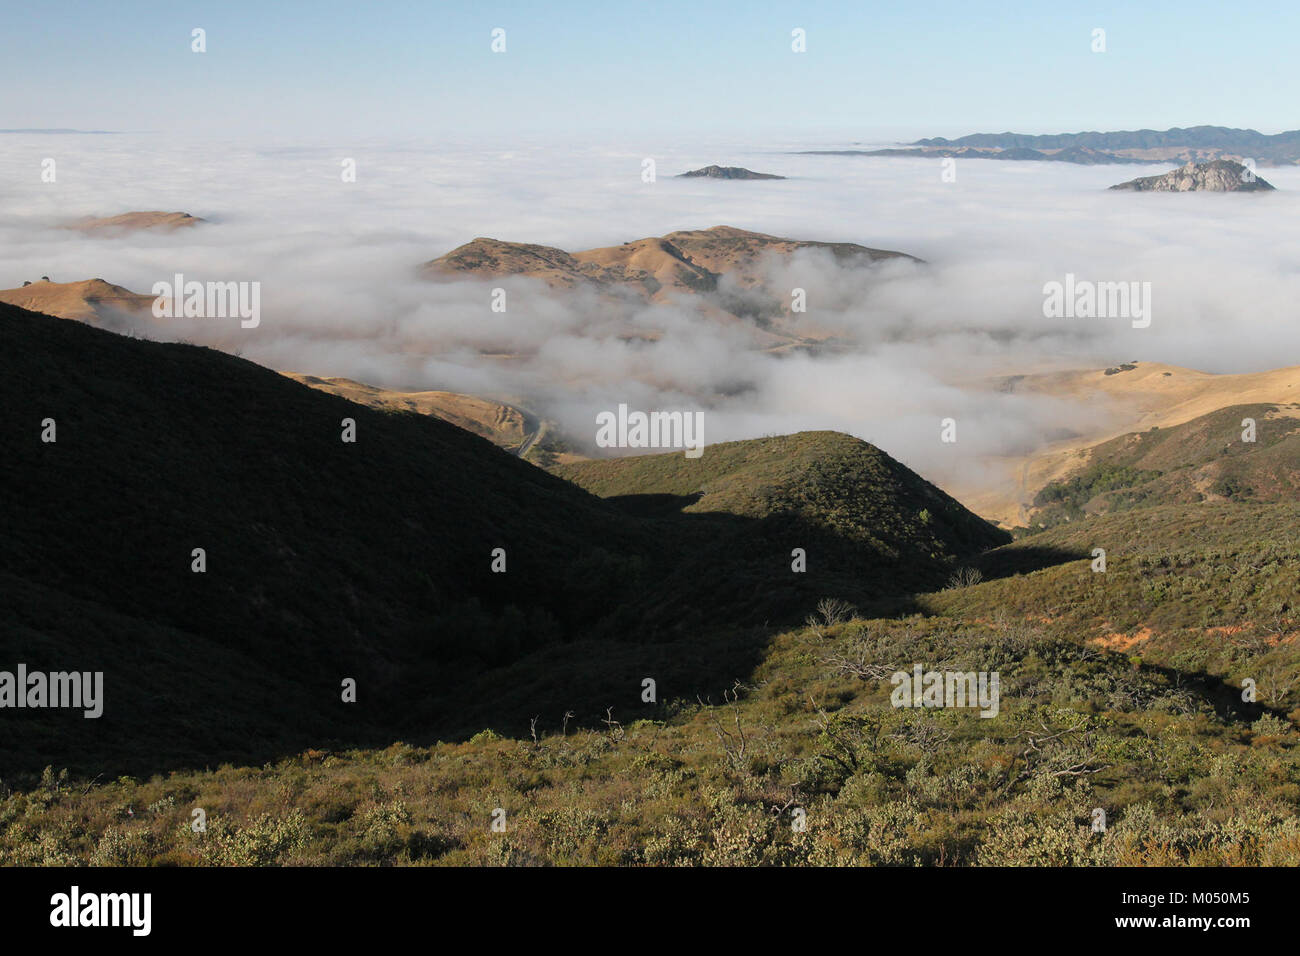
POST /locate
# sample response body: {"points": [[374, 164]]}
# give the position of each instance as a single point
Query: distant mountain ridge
{"points": [[1080, 155], [1195, 144], [1277, 148], [1203, 136]]}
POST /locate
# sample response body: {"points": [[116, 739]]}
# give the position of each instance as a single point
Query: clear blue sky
{"points": [[332, 70]]}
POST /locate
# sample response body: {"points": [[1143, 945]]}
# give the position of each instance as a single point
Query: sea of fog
{"points": [[340, 296]]}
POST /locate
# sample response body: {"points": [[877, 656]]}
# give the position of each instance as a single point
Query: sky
{"points": [[327, 70]]}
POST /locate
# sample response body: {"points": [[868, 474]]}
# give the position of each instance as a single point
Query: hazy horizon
{"points": [[941, 68]]}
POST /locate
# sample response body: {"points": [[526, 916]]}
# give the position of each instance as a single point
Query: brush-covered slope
{"points": [[1181, 781], [1206, 459], [1127, 398], [1204, 589], [1186, 772], [866, 522]]}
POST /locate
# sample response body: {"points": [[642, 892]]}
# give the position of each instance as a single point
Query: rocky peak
{"points": [[1220, 176]]}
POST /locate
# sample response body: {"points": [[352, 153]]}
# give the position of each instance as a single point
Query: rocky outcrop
{"points": [[727, 172], [1219, 176]]}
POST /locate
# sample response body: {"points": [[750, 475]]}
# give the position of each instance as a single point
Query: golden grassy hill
{"points": [[93, 301], [501, 424], [689, 260], [687, 263], [1134, 397], [134, 221], [737, 252], [655, 265]]}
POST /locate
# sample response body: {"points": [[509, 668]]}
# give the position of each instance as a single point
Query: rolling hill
{"points": [[93, 301], [870, 528], [723, 268], [828, 479], [1131, 397], [1213, 457], [370, 560], [134, 222], [687, 261]]}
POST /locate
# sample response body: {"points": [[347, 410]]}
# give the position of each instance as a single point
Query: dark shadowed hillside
{"points": [[370, 560], [866, 522], [325, 559]]}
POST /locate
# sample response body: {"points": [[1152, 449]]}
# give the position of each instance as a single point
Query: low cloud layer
{"points": [[341, 296]]}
